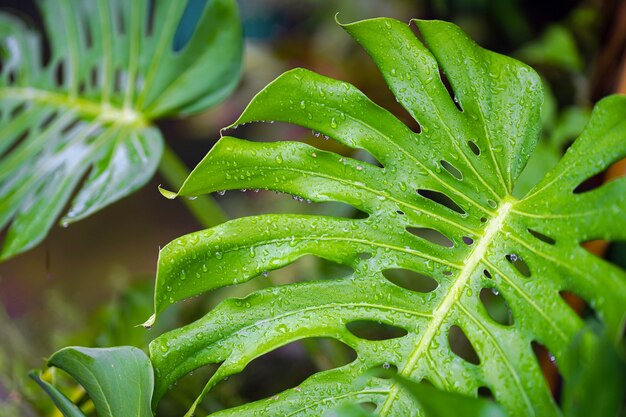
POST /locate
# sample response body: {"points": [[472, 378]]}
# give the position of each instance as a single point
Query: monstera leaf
{"points": [[114, 67], [118, 380], [439, 206]]}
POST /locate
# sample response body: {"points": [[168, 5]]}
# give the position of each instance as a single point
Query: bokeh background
{"points": [[91, 283]]}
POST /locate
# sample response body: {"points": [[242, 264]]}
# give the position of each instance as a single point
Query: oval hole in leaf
{"points": [[519, 264], [496, 306], [485, 392], [590, 183], [287, 366], [461, 346], [372, 330], [368, 406], [305, 268], [577, 303], [364, 255], [452, 169], [411, 280], [475, 149], [487, 274], [15, 111], [542, 237], [549, 369], [385, 370], [59, 72], [441, 198], [468, 240], [446, 83], [431, 235], [150, 19]]}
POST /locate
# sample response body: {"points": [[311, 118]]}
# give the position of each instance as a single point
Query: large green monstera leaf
{"points": [[114, 67], [438, 205]]}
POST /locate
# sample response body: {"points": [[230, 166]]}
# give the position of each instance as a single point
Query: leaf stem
{"points": [[204, 208]]}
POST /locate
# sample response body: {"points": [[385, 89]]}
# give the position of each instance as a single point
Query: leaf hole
{"points": [[461, 345], [542, 237], [452, 170], [591, 183], [431, 235], [447, 273], [485, 392], [468, 240], [519, 264], [448, 86], [47, 120], [59, 73], [94, 77], [365, 156], [288, 366], [17, 110], [400, 212], [550, 371], [496, 306], [150, 19], [411, 280], [87, 35], [483, 220], [368, 406], [119, 81], [441, 198], [577, 303], [73, 125], [474, 147], [373, 330], [487, 274], [364, 255], [385, 370], [492, 203]]}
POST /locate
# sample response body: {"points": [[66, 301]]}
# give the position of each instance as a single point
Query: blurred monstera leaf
{"points": [[439, 206], [114, 67]]}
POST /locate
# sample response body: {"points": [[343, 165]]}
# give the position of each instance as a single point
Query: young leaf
{"points": [[118, 380], [440, 205], [114, 67]]}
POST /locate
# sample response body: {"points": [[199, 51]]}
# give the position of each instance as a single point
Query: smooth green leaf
{"points": [[440, 204], [118, 380], [114, 68], [64, 404]]}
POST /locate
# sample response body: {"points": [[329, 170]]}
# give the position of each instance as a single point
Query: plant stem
{"points": [[204, 208]]}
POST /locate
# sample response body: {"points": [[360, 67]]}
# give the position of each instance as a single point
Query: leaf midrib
{"points": [[101, 110], [452, 297]]}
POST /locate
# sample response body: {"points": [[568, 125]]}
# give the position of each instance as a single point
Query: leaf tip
{"points": [[149, 323], [170, 195]]}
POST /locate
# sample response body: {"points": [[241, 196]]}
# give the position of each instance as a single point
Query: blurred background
{"points": [[91, 283]]}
